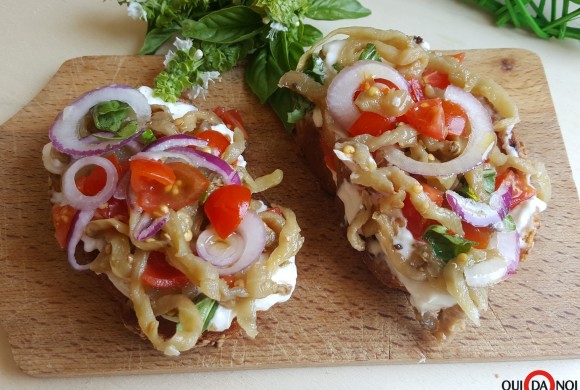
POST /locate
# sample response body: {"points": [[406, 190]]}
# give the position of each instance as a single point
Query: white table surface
{"points": [[38, 36]]}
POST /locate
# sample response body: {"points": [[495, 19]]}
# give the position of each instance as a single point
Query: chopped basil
{"points": [[446, 246], [465, 190], [207, 308], [316, 68], [489, 175], [110, 116], [337, 67], [370, 53], [147, 137], [126, 131]]}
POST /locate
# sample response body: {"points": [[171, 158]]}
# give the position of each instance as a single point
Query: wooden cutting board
{"points": [[61, 323]]}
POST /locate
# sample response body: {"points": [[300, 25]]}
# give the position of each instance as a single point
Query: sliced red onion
{"points": [[472, 212], [501, 199], [339, 98], [197, 159], [486, 273], [64, 132], [81, 201], [508, 245], [481, 141], [241, 249], [122, 186], [173, 141], [148, 226], [77, 229]]}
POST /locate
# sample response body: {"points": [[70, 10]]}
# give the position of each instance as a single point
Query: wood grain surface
{"points": [[61, 323]]}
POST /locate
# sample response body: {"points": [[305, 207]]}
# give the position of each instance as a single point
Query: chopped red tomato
{"points": [[114, 208], [521, 189], [215, 140], [428, 118], [415, 222], [371, 123], [455, 118], [435, 78], [481, 235], [174, 185], [62, 218], [226, 207], [160, 274], [232, 119], [94, 182], [329, 158], [416, 90]]}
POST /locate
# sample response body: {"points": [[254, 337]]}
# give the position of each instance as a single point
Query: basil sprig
{"points": [[446, 246], [113, 117], [271, 34], [207, 308]]}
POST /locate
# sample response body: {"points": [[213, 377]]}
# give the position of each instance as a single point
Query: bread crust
{"points": [[442, 324]]}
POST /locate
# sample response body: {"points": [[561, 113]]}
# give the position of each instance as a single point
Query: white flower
{"points": [[274, 28], [200, 90], [168, 57], [136, 11], [198, 55], [182, 44]]}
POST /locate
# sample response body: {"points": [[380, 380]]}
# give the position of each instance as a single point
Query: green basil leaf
{"points": [[465, 190], [262, 74], [489, 175], [295, 51], [370, 53], [336, 9], [446, 246], [109, 116], [227, 25], [315, 68], [207, 308], [157, 37], [147, 137], [509, 225], [279, 50], [310, 35], [288, 106], [128, 130]]}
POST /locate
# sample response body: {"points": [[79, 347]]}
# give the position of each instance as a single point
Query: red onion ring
{"points": [[342, 88], [147, 227], [172, 141], [81, 201], [80, 221], [480, 143], [478, 213], [64, 131], [234, 256], [197, 159]]}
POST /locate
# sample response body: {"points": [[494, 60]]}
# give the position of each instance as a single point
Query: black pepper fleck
{"points": [[398, 247]]}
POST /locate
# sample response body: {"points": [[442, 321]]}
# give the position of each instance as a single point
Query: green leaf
{"points": [[310, 35], [128, 130], [207, 308], [279, 50], [370, 53], [288, 106], [147, 137], [489, 175], [336, 9], [227, 25], [315, 68], [446, 246], [157, 37], [509, 225], [109, 116], [465, 190], [262, 74]]}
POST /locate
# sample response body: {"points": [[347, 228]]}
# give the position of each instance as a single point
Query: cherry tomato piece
{"points": [[62, 218], [435, 78], [226, 207], [428, 118], [94, 182], [232, 119], [371, 123], [481, 235], [455, 118], [215, 140], [160, 274]]}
